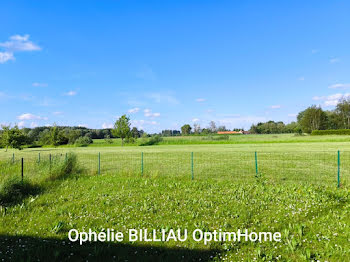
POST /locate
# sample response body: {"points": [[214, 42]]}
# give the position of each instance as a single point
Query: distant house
{"points": [[230, 132], [240, 132]]}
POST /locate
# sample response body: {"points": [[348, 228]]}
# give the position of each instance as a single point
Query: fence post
{"points": [[192, 170], [141, 163], [99, 163], [66, 157], [39, 158], [13, 158], [256, 164], [338, 168], [50, 162], [22, 168]]}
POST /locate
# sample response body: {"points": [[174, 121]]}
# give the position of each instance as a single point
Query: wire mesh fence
{"points": [[301, 166]]}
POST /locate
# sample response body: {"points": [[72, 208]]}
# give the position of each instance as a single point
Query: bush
{"points": [[65, 168], [83, 141], [154, 140], [331, 132], [13, 191]]}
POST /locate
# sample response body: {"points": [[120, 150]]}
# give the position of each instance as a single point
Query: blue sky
{"points": [[167, 63]]}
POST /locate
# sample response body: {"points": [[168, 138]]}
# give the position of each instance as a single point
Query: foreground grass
{"points": [[313, 219]]}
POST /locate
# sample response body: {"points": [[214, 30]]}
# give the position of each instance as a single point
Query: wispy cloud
{"points": [[37, 84], [301, 78], [314, 51], [149, 113], [334, 60], [331, 100], [339, 86], [6, 56], [107, 125], [275, 106], [195, 120], [163, 98], [29, 116], [16, 43], [199, 100], [292, 115], [133, 110], [70, 93], [143, 123], [57, 113]]}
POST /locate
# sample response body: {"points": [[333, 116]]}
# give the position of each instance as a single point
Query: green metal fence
{"points": [[299, 166]]}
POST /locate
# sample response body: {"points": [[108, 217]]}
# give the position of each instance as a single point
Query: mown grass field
{"points": [[295, 193]]}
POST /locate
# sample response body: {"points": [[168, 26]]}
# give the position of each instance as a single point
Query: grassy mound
{"points": [[14, 190]]}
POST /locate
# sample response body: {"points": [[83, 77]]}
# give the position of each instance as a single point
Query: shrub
{"points": [[331, 132], [13, 191], [154, 140], [83, 141], [65, 168]]}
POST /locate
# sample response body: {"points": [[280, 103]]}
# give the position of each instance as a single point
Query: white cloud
{"points": [[6, 56], [21, 124], [301, 78], [70, 93], [275, 106], [28, 116], [142, 123], [339, 86], [292, 115], [195, 120], [314, 51], [199, 100], [334, 60], [163, 98], [83, 125], [134, 110], [33, 124], [107, 125], [57, 113], [36, 84], [148, 113], [331, 100], [17, 43]]}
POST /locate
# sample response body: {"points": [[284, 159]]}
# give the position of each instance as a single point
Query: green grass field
{"points": [[295, 193]]}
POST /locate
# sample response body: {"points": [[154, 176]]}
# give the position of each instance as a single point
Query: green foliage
{"points": [[312, 118], [331, 132], [13, 190], [122, 128], [13, 137], [62, 169], [186, 129], [154, 140], [83, 141]]}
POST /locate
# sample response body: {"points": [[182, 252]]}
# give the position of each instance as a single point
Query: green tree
{"points": [[343, 111], [186, 129], [312, 118], [13, 137], [122, 128]]}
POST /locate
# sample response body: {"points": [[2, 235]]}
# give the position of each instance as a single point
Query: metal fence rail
{"points": [[299, 166]]}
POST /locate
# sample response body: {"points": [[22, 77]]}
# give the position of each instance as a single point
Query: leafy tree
{"points": [[196, 128], [212, 127], [122, 128], [135, 132], [13, 137], [343, 111], [312, 118], [186, 129]]}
